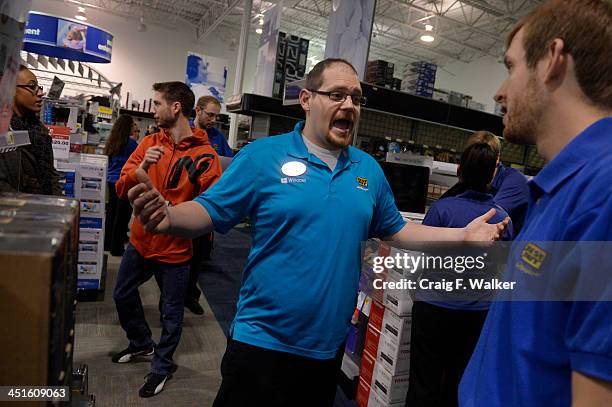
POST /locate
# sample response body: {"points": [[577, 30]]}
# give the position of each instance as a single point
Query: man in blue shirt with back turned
{"points": [[558, 95], [312, 199], [509, 186]]}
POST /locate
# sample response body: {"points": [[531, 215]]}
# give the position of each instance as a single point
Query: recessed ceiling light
{"points": [[81, 16], [427, 38], [259, 31]]}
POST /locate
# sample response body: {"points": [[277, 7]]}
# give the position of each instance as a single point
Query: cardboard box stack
{"points": [[85, 179], [419, 78], [385, 361], [380, 73], [38, 246]]}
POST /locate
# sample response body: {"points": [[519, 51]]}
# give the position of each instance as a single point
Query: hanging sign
{"points": [[61, 37]]}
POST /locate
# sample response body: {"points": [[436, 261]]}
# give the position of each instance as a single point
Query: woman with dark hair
{"points": [[446, 327], [119, 146]]}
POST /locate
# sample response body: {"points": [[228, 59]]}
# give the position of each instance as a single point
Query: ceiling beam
{"points": [[213, 17]]}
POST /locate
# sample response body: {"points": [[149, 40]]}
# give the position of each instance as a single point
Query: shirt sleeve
{"points": [[513, 193], [227, 151], [589, 338], [588, 333], [235, 195], [387, 220], [433, 218]]}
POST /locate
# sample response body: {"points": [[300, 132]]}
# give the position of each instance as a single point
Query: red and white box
{"points": [[392, 357], [371, 340], [363, 393], [377, 313], [368, 362]]}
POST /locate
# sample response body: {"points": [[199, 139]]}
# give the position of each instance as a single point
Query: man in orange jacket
{"points": [[181, 164]]}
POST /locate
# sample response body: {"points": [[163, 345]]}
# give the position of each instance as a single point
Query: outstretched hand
{"points": [[479, 230], [149, 205]]}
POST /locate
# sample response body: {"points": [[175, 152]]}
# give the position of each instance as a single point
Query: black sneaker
{"points": [[194, 307], [128, 354], [154, 384]]}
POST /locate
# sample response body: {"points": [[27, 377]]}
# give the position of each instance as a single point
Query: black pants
{"points": [[254, 377], [202, 247], [118, 214], [441, 344]]}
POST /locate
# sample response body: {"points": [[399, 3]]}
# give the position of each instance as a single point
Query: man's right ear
{"points": [[305, 98]]}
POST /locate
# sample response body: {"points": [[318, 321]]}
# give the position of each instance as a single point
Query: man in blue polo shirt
{"points": [[558, 95], [312, 199], [207, 110]]}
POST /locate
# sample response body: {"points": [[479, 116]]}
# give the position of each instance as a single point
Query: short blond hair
{"points": [[205, 100], [486, 137]]}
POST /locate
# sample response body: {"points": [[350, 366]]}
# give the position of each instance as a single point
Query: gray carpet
{"points": [[98, 336]]}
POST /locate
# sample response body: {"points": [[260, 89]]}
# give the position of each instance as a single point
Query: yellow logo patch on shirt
{"points": [[362, 181], [533, 255]]}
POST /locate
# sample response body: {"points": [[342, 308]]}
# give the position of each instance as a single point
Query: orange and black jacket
{"points": [[184, 171]]}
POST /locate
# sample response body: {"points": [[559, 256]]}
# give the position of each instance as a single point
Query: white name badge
{"points": [[293, 168]]}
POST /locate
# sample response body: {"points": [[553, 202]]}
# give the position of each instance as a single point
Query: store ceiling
{"points": [[465, 30]]}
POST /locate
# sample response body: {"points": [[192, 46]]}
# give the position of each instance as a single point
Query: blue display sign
{"points": [[66, 38]]}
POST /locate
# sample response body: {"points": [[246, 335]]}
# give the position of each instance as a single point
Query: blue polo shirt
{"points": [[528, 350], [457, 212], [299, 286], [510, 190], [218, 142]]}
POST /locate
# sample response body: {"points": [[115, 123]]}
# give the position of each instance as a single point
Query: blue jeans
{"points": [[134, 271]]}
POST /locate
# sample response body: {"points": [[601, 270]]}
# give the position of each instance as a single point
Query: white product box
{"points": [[92, 208], [88, 268], [392, 357], [89, 252], [91, 235], [397, 302], [397, 328], [391, 389], [376, 401]]}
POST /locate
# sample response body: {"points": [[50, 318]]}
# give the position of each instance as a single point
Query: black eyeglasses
{"points": [[32, 87], [336, 96], [211, 115]]}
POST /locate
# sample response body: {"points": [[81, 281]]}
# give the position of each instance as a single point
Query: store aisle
{"points": [[98, 336]]}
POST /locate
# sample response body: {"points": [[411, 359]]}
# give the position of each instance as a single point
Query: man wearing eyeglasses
{"points": [[313, 199], [30, 168], [207, 110]]}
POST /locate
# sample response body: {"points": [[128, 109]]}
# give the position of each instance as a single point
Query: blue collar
{"points": [[298, 149], [476, 196], [499, 174], [574, 156]]}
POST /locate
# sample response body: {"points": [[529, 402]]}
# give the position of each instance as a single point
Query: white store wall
{"points": [[140, 59], [479, 79]]}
